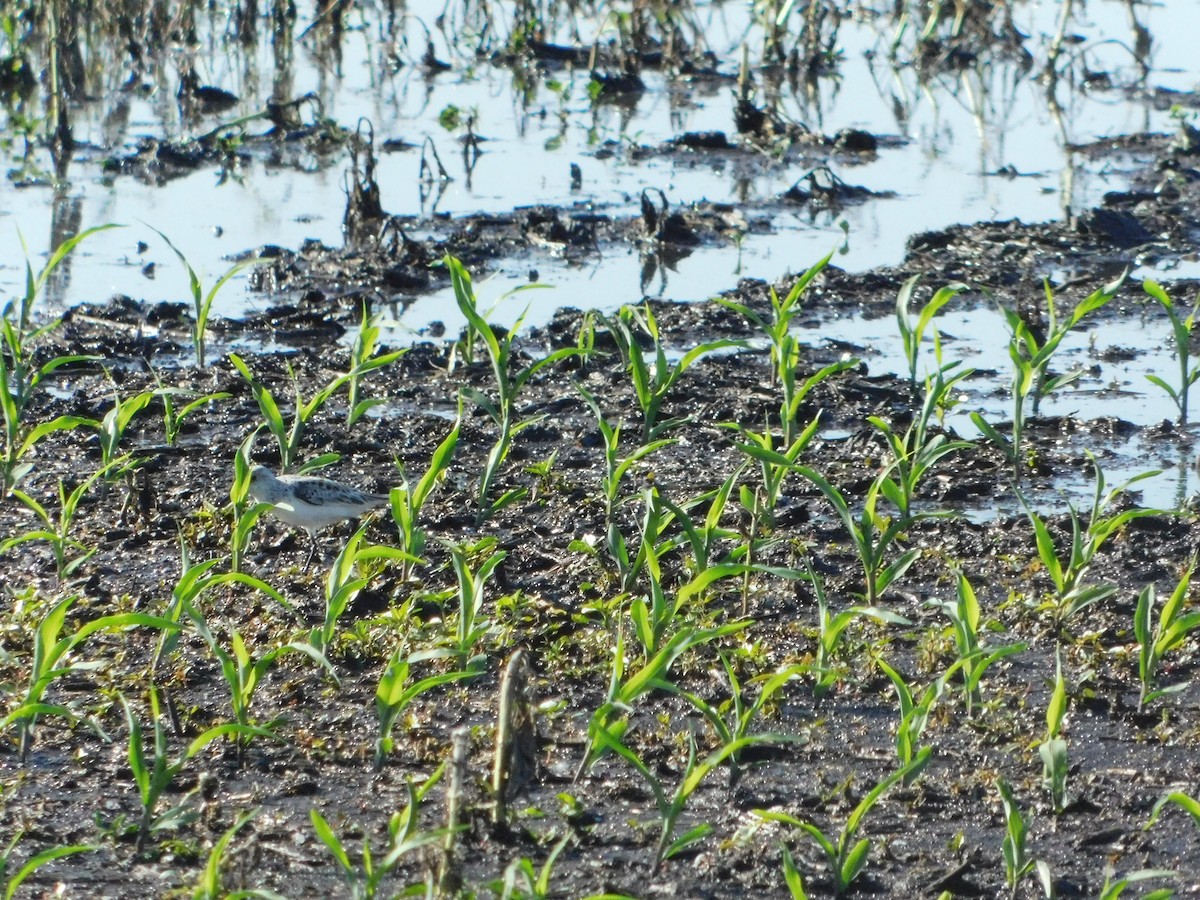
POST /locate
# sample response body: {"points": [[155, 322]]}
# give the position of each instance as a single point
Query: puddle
{"points": [[957, 132]]}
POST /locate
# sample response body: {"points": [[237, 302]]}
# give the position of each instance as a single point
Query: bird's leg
{"points": [[312, 536]]}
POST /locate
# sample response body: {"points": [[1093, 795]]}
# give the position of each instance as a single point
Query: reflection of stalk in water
{"points": [[1181, 482], [61, 142]]}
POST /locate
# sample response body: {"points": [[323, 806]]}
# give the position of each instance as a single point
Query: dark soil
{"points": [[567, 610]]}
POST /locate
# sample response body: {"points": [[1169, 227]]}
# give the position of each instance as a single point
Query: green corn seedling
{"points": [[110, 430], [50, 662], [13, 882], [652, 383], [20, 377], [57, 532], [914, 714], [536, 882], [210, 884], [774, 465], [366, 879], [245, 515], [615, 466], [395, 693], [1181, 336], [288, 437], [1053, 749], [363, 359], [623, 691], [1017, 862], [243, 674], [1189, 805], [407, 499], [733, 718], [974, 659], [1068, 570], [173, 416], [671, 805], [916, 451], [830, 628], [154, 771], [202, 302], [846, 857], [1111, 890], [501, 408], [1156, 640], [791, 875], [1031, 355], [871, 534], [471, 627], [778, 325], [912, 332], [20, 374]]}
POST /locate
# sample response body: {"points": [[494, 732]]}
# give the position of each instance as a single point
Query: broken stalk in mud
{"points": [[846, 862], [449, 878], [1181, 336]]}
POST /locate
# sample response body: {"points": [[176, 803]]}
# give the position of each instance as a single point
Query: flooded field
{"points": [[765, 433]]}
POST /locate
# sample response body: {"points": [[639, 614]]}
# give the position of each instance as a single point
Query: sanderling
{"points": [[308, 502]]}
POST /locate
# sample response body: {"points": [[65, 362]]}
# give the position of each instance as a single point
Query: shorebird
{"points": [[309, 502]]}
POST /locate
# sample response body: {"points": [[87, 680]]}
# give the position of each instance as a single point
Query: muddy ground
{"points": [[564, 606]]}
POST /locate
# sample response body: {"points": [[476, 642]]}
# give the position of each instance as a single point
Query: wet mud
{"points": [[557, 596]]}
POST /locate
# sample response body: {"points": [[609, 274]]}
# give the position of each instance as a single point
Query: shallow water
{"points": [[958, 131]]}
